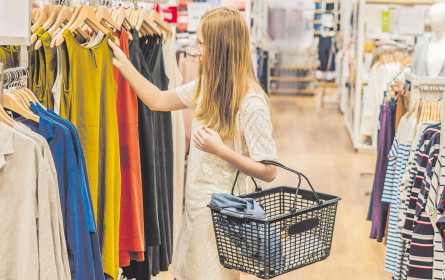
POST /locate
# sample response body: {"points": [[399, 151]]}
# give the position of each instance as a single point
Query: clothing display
{"points": [[412, 188], [29, 193]]}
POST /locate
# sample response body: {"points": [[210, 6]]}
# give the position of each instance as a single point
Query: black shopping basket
{"points": [[297, 231]]}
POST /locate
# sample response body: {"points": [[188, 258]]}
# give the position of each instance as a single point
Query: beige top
{"points": [[27, 189], [61, 251]]}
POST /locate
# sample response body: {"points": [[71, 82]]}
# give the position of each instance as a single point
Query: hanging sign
{"points": [[171, 14]]}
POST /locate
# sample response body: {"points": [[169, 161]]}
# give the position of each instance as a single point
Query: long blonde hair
{"points": [[225, 70]]}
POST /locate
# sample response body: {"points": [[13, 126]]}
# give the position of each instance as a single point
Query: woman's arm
{"points": [[152, 96], [209, 141]]}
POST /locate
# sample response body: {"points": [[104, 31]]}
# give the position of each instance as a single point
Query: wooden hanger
{"points": [[103, 15], [52, 18], [413, 109], [63, 19], [42, 18], [10, 102], [145, 22], [48, 23], [63, 15], [5, 118], [122, 20], [86, 16], [76, 10], [21, 98], [156, 17]]}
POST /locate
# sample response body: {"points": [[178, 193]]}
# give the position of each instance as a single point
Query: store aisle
{"points": [[316, 143]]}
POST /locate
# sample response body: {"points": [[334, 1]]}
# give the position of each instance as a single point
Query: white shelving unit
{"points": [[352, 119]]}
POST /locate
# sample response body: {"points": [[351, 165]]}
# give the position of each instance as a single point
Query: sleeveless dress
{"points": [[195, 255]]}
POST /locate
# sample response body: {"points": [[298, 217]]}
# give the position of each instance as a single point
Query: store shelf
{"points": [[324, 12], [292, 79], [395, 2], [329, 85], [318, 32], [293, 92], [315, 21], [296, 67], [328, 2]]}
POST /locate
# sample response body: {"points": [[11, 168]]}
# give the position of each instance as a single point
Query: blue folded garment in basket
{"points": [[250, 237]]}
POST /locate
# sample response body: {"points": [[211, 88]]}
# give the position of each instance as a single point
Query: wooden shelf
{"points": [[292, 79], [293, 92], [316, 21], [319, 33], [295, 67], [328, 84], [395, 2], [324, 12]]}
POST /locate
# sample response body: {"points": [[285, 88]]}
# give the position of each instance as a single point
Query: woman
{"points": [[231, 131]]}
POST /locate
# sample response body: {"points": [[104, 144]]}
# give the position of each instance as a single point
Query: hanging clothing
{"points": [[397, 162], [91, 106], [418, 231], [178, 135], [379, 209], [74, 197], [153, 54], [131, 227], [29, 193], [86, 193], [196, 255], [49, 60], [324, 50], [9, 56], [37, 70], [146, 120]]}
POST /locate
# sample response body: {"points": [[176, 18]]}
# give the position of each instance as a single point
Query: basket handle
{"points": [[271, 162]]}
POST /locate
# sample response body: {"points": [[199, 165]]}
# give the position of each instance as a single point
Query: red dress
{"points": [[131, 227]]}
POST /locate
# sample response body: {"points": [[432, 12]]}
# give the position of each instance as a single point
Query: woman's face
{"points": [[199, 43]]}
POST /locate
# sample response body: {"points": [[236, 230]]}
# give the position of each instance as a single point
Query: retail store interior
{"points": [[355, 90]]}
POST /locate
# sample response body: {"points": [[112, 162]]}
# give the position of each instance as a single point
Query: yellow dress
{"points": [[88, 100]]}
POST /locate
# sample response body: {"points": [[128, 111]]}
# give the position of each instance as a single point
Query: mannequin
{"points": [[436, 50], [429, 55]]}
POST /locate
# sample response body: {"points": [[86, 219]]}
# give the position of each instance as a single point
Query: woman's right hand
{"points": [[119, 57]]}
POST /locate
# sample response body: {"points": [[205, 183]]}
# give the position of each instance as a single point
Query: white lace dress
{"points": [[195, 254]]}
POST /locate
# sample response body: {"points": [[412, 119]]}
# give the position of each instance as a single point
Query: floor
{"points": [[314, 140]]}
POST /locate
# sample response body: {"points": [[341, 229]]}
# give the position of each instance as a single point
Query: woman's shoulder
{"points": [[254, 100]]}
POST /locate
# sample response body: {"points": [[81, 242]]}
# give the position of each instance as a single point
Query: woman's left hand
{"points": [[208, 140]]}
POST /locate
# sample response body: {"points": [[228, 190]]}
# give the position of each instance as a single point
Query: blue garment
{"points": [[37, 108], [97, 257], [74, 219], [250, 237]]}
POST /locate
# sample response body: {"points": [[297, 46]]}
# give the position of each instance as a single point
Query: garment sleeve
{"points": [[47, 258], [186, 94], [256, 127], [390, 184]]}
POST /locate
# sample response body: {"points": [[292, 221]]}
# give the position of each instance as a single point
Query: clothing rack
{"points": [[13, 77], [398, 74], [421, 86]]}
